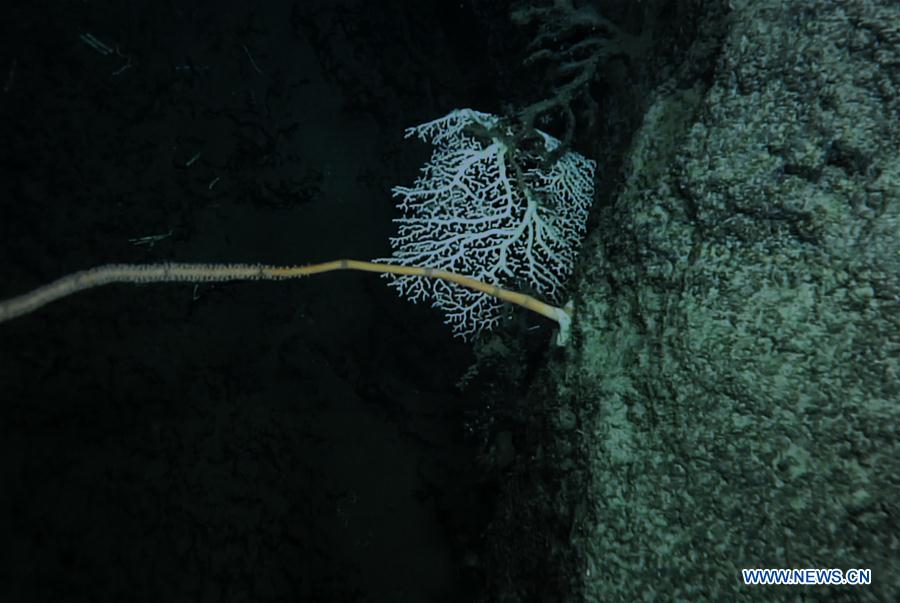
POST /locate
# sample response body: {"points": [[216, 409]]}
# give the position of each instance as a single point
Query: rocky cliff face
{"points": [[734, 374]]}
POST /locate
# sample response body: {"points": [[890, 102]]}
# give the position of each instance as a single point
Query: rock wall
{"points": [[735, 364]]}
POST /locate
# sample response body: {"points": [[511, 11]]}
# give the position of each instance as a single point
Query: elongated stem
{"points": [[209, 273]]}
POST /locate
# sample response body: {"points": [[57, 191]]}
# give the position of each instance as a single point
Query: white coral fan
{"points": [[472, 212]]}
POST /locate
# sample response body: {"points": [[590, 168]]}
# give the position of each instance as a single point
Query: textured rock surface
{"points": [[736, 358]]}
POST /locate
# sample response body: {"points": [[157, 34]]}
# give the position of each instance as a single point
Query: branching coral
{"points": [[574, 41]]}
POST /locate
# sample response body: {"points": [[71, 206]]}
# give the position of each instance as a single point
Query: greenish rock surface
{"points": [[735, 356]]}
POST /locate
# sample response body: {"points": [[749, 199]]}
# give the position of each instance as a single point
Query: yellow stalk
{"points": [[203, 273]]}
